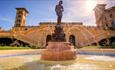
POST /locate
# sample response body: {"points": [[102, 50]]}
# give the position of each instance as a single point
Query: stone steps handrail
{"points": [[28, 31], [28, 40], [33, 41], [98, 38], [5, 34]]}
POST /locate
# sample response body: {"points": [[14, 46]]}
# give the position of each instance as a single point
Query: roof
{"points": [[98, 5], [111, 8], [22, 9], [101, 4], [53, 23]]}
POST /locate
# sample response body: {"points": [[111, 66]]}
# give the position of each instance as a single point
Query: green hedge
{"points": [[13, 48], [108, 47]]}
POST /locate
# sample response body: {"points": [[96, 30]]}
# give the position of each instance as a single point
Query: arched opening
{"points": [[107, 43], [112, 41], [103, 42], [72, 40], [5, 41], [112, 25], [48, 38]]}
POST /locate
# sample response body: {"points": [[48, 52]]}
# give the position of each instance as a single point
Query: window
{"points": [[112, 25], [19, 21], [111, 15], [26, 29], [20, 12], [17, 25], [105, 18], [24, 21], [106, 25], [19, 16]]}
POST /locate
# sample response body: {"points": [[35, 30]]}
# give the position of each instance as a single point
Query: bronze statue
{"points": [[59, 11], [59, 35]]}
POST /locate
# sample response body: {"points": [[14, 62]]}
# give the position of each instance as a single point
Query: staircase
{"points": [[96, 38], [26, 39]]}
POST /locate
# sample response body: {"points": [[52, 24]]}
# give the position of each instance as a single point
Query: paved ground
{"points": [[3, 52], [33, 62], [7, 52]]}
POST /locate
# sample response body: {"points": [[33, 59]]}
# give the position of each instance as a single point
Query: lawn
{"points": [[13, 48], [90, 47], [98, 47]]}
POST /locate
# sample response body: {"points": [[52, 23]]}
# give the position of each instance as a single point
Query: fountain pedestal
{"points": [[58, 51]]}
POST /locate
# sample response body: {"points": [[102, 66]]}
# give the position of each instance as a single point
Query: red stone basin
{"points": [[58, 51]]}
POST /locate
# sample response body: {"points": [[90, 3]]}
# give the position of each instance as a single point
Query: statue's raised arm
{"points": [[59, 11]]}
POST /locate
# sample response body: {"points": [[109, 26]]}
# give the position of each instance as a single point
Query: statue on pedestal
{"points": [[58, 49], [58, 34], [59, 11]]}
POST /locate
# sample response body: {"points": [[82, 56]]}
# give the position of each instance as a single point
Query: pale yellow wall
{"points": [[85, 35]]}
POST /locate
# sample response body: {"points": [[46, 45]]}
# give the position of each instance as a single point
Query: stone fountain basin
{"points": [[58, 55], [58, 51], [60, 46]]}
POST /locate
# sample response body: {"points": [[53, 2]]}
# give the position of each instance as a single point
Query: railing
{"points": [[96, 38], [112, 32], [5, 34], [28, 31], [26, 39]]}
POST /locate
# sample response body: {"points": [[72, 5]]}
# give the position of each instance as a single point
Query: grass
{"points": [[90, 47], [13, 48], [98, 47], [21, 47]]}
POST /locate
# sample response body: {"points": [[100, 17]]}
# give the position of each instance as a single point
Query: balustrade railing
{"points": [[26, 39]]}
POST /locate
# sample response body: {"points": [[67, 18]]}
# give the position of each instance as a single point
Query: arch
{"points": [[8, 41], [112, 41], [48, 38], [72, 40], [113, 25], [103, 42], [107, 41]]}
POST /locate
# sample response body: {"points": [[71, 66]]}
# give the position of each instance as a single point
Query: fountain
{"points": [[58, 49], [59, 55]]}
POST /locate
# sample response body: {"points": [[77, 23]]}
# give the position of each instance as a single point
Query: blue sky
{"points": [[43, 11]]}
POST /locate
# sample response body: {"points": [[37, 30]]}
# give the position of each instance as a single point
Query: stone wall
{"points": [[37, 35]]}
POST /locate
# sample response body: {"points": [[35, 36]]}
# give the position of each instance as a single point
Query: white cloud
{"points": [[7, 23], [6, 19], [81, 10]]}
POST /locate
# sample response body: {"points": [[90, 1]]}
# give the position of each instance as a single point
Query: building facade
{"points": [[105, 17], [76, 33]]}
